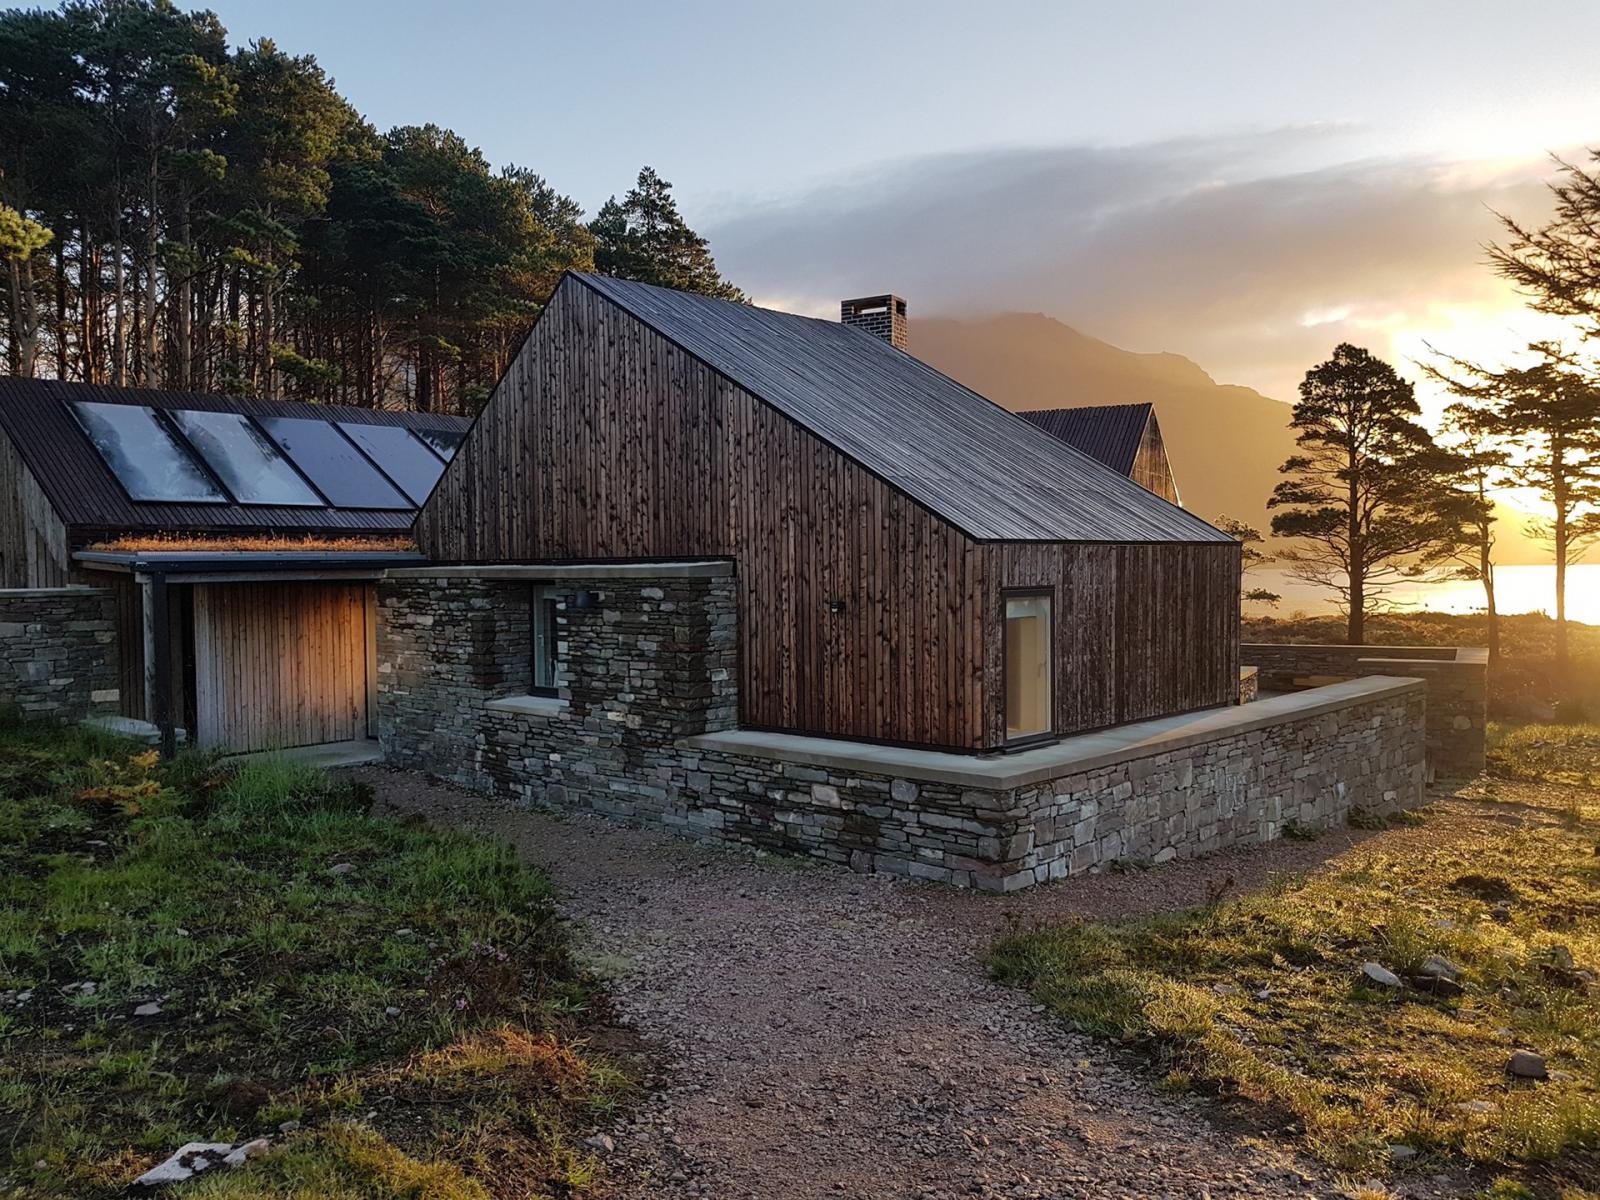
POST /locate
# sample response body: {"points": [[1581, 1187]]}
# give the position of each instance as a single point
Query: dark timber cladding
{"points": [[875, 510]]}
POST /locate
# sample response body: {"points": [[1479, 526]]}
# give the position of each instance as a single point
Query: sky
{"points": [[1243, 183]]}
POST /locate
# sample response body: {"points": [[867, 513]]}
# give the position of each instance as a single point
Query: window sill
{"points": [[532, 706]]}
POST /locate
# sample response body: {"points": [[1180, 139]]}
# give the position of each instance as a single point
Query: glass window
{"points": [[402, 457], [443, 442], [1028, 659], [245, 459], [339, 470], [544, 641], [147, 460]]}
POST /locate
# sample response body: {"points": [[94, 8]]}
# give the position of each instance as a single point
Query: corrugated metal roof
{"points": [[1108, 433], [34, 414], [995, 477]]}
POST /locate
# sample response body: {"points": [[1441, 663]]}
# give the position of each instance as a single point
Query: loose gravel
{"points": [[825, 1034]]}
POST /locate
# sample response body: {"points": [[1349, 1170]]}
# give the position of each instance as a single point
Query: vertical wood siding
{"points": [[280, 664], [33, 538], [605, 440]]}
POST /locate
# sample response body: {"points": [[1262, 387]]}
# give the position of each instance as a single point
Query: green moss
{"points": [[210, 890]]}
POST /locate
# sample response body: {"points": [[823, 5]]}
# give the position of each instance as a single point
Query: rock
{"points": [[1439, 967], [241, 1154], [1561, 957], [1380, 976], [1226, 989], [24, 997], [185, 1163], [288, 1126], [1400, 1154], [601, 1142], [1525, 1064], [391, 1011], [1477, 1106], [149, 1010], [341, 868]]}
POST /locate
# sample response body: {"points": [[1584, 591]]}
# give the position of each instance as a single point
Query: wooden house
{"points": [[1124, 437], [146, 492], [914, 564]]}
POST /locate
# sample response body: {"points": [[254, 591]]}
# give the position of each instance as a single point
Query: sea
{"points": [[1523, 589]]}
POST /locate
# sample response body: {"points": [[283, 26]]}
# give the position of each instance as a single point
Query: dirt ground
{"points": [[825, 1034]]}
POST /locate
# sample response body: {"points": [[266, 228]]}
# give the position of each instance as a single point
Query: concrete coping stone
{"points": [[533, 706], [1081, 752], [1383, 654], [76, 589], [573, 571]]}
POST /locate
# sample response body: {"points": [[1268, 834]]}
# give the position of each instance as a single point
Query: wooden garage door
{"points": [[280, 664]]}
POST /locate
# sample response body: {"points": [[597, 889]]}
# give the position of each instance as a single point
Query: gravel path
{"points": [[826, 1034]]}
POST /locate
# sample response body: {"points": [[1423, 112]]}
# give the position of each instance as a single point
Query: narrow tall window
{"points": [[544, 641], [1028, 656]]}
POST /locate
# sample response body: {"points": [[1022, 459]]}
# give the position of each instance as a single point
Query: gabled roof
{"points": [[34, 414], [1109, 434], [972, 463]]}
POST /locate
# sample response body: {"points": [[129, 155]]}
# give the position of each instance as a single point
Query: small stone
{"points": [[1400, 1154], [1380, 975], [1561, 957], [181, 931], [1477, 1106], [402, 933], [288, 1126], [391, 1011], [1439, 967], [1525, 1064], [1226, 989], [185, 1163], [341, 868], [24, 997], [601, 1142], [148, 1010]]}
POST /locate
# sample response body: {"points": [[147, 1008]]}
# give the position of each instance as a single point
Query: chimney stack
{"points": [[881, 316]]}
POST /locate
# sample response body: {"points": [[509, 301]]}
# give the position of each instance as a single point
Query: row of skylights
{"points": [[188, 456]]}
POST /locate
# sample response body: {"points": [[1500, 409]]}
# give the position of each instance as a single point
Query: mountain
{"points": [[1225, 442]]}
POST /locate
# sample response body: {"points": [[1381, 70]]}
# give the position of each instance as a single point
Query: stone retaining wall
{"points": [[58, 652], [1457, 679], [644, 729]]}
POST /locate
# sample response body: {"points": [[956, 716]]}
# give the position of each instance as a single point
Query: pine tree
{"points": [[644, 237], [1364, 495]]}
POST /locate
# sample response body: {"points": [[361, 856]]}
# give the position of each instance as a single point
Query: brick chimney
{"points": [[881, 316]]}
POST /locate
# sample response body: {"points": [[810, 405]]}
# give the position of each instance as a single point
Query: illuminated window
{"points": [[1028, 666]]}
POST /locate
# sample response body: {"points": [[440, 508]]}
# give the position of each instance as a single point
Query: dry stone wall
{"points": [[644, 730], [58, 650]]}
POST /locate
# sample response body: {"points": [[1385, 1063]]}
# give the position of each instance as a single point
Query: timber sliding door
{"points": [[281, 664]]}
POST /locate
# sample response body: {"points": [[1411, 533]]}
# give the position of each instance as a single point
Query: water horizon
{"points": [[1518, 589]]}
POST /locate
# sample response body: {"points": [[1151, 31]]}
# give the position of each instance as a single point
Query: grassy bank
{"points": [[260, 953], [1264, 1000], [1520, 688]]}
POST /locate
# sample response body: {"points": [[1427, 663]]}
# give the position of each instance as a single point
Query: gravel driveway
{"points": [[826, 1034]]}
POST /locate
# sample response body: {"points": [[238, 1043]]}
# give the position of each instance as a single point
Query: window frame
{"points": [[540, 595], [1048, 735]]}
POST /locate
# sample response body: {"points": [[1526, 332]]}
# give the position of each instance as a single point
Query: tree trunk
{"points": [[1562, 692], [183, 333], [1492, 615], [24, 317], [119, 289], [152, 243]]}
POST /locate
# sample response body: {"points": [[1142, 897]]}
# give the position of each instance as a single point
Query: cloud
{"points": [[1237, 252]]}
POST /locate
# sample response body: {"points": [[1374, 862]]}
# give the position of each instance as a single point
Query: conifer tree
{"points": [[644, 237]]}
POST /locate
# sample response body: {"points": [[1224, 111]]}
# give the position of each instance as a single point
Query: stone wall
{"points": [[644, 729], [58, 652], [1457, 679]]}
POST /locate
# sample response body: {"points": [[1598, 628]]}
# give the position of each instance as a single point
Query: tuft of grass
{"points": [[311, 962], [1560, 754], [1261, 999]]}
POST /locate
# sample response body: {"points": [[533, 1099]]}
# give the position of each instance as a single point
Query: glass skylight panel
{"points": [[147, 460], [443, 442], [403, 458], [246, 461], [339, 470]]}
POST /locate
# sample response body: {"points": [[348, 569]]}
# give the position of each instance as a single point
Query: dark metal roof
{"points": [[34, 414], [1109, 433], [962, 456]]}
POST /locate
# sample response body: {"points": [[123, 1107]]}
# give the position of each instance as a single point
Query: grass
{"points": [[405, 995], [1522, 685], [1262, 1001]]}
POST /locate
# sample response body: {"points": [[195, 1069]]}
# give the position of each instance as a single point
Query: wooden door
{"points": [[280, 664]]}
